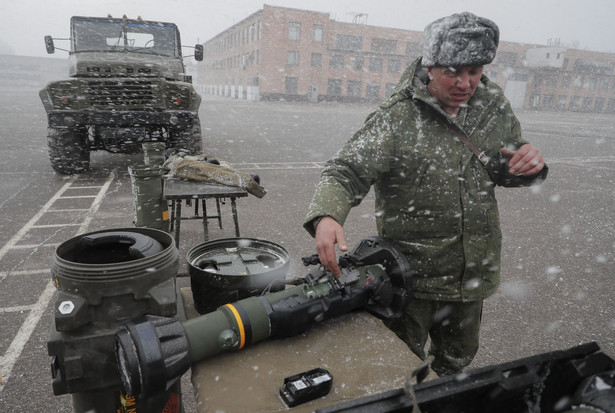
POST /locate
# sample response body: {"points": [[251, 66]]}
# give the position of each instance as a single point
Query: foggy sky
{"points": [[578, 24]]}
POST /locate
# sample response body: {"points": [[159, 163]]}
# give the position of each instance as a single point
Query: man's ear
{"points": [[429, 74]]}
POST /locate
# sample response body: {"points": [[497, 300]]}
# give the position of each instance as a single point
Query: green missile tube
{"points": [[153, 352]]}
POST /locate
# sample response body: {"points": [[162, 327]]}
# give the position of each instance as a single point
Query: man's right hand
{"points": [[328, 233]]}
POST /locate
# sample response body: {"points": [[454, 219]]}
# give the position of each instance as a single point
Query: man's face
{"points": [[453, 86]]}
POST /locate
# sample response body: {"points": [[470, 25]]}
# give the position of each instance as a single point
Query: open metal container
{"points": [[230, 269]]}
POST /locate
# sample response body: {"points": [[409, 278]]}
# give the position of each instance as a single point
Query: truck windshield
{"points": [[146, 37]]}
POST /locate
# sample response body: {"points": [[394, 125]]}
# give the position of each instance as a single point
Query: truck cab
{"points": [[128, 85]]}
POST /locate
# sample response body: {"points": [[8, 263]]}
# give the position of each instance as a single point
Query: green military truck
{"points": [[128, 85]]}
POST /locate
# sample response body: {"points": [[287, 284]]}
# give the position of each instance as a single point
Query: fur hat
{"points": [[462, 39]]}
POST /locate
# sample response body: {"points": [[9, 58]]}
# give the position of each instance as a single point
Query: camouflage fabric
{"points": [[453, 328], [191, 167], [433, 196]]}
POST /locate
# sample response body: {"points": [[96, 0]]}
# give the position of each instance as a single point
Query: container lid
{"points": [[238, 257]]}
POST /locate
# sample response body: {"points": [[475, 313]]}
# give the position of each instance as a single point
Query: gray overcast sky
{"points": [[585, 24]]}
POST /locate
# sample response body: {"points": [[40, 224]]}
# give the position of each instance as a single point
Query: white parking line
{"points": [[33, 246], [23, 335], [96, 204], [16, 309], [4, 274], [12, 354], [69, 210], [70, 224], [20, 234]]}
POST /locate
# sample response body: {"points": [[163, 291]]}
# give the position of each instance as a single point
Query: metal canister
{"points": [[230, 269], [150, 208], [103, 279]]}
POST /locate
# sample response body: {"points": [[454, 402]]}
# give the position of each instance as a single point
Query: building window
{"points": [[317, 59], [507, 58], [373, 91], [389, 89], [394, 66], [592, 83], [356, 62], [578, 81], [336, 61], [260, 30], [534, 99], [334, 87], [292, 58], [384, 46], [292, 85], [413, 49], [599, 105], [521, 77], [346, 42], [354, 89], [604, 84], [551, 80], [587, 104], [294, 31], [491, 74], [318, 32], [375, 64], [562, 102], [574, 103], [566, 80], [547, 101]]}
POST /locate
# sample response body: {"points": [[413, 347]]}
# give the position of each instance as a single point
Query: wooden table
{"points": [[176, 190]]}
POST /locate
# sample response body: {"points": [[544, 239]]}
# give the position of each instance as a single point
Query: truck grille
{"points": [[121, 93]]}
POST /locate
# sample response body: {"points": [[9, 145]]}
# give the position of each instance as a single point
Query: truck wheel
{"points": [[189, 140], [68, 152]]}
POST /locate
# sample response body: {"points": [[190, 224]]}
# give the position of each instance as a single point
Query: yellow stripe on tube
{"points": [[242, 333]]}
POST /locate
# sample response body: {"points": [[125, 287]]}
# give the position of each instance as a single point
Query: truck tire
{"points": [[189, 140], [68, 151]]}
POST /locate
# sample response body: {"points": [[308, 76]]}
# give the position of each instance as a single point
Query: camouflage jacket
{"points": [[433, 196]]}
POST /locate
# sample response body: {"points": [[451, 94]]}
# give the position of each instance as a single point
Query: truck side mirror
{"points": [[198, 52], [49, 45]]}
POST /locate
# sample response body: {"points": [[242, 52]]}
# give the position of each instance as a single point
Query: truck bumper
{"points": [[123, 119]]}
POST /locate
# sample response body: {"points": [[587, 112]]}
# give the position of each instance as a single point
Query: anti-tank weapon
{"points": [[154, 351]]}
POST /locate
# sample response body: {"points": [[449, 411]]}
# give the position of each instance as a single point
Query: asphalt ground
{"points": [[557, 289]]}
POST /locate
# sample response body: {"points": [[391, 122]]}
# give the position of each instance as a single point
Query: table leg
{"points": [[235, 219], [172, 215], [205, 225], [219, 214], [178, 220]]}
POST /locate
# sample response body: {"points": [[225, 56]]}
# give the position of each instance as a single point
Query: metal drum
{"points": [[230, 269]]}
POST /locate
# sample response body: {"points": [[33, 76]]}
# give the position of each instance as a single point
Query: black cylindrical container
{"points": [[230, 269], [103, 279]]}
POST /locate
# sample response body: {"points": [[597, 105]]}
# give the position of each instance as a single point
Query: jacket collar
{"points": [[413, 84]]}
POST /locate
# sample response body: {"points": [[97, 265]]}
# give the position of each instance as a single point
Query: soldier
{"points": [[434, 152]]}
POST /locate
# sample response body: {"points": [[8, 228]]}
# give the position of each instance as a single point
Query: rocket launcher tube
{"points": [[154, 352]]}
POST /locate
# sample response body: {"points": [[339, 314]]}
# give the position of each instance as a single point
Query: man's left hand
{"points": [[527, 160]]}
